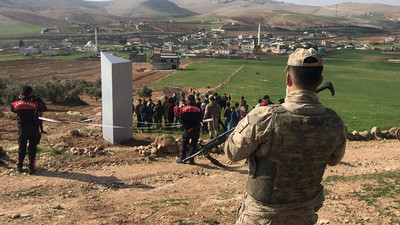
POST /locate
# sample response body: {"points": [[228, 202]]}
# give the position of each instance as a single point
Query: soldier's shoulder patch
{"points": [[243, 124]]}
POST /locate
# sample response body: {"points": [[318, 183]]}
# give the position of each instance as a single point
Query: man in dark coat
{"points": [[169, 112], [190, 117], [27, 108]]}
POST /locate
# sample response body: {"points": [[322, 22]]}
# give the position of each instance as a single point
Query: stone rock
{"points": [[16, 216], [167, 144], [153, 151], [392, 132], [385, 134], [61, 145], [357, 136], [59, 207], [367, 135], [350, 137], [74, 113], [376, 132], [75, 133]]}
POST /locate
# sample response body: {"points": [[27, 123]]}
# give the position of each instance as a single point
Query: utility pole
{"points": [[336, 11], [95, 41], [259, 35]]}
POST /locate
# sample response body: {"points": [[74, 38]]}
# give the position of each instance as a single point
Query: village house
{"points": [[136, 56], [50, 30], [165, 61], [29, 51]]}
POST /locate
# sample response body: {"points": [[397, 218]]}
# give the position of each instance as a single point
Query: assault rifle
{"points": [[204, 148], [222, 137]]}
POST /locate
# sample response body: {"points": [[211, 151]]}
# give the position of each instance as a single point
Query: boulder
{"points": [[75, 133], [367, 135], [350, 137], [376, 132], [385, 134], [166, 144], [74, 113], [153, 151], [357, 136], [392, 132], [398, 134]]}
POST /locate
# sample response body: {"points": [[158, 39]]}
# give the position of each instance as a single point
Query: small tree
{"points": [[21, 43], [145, 92]]}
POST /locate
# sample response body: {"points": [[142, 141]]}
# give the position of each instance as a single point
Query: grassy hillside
{"points": [[367, 88], [168, 7], [19, 29], [366, 85]]}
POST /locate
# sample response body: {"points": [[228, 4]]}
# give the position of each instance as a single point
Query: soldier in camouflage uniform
{"points": [[288, 147], [213, 111]]}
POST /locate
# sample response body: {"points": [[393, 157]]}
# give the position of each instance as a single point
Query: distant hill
{"points": [[355, 9], [269, 12], [52, 12], [146, 8]]}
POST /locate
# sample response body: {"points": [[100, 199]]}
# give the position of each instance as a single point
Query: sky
{"points": [[332, 2], [325, 3]]}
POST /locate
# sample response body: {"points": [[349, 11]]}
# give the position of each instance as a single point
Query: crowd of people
{"points": [[218, 112]]}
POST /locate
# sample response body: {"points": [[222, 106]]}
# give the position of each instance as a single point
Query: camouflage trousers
{"points": [[244, 219], [251, 212], [213, 127]]}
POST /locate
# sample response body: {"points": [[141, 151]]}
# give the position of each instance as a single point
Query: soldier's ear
{"points": [[289, 79], [320, 80]]}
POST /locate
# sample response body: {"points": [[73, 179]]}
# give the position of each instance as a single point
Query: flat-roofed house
{"points": [[165, 61]]}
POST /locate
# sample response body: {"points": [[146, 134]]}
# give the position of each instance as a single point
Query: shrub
{"points": [[169, 91], [145, 92], [53, 91]]}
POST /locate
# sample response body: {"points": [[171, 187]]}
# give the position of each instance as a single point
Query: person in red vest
{"points": [[266, 101], [176, 115], [27, 108], [190, 117]]}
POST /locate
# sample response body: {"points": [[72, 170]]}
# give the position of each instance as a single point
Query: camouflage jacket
{"points": [[212, 110], [288, 147]]}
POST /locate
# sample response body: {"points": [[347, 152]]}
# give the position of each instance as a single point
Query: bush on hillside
{"points": [[55, 91], [145, 92]]}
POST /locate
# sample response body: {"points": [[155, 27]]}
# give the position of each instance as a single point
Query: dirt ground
{"points": [[120, 186]]}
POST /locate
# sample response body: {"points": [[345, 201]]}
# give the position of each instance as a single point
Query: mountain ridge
{"points": [[53, 12]]}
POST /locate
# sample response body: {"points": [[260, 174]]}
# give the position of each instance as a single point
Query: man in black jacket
{"points": [[190, 117], [27, 108]]}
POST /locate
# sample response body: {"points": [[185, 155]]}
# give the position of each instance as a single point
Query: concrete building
{"points": [[53, 30], [29, 51], [165, 61], [138, 56], [90, 47], [51, 52]]}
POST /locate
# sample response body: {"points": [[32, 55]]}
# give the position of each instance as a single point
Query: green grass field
{"points": [[205, 74], [366, 85], [10, 57], [19, 29]]}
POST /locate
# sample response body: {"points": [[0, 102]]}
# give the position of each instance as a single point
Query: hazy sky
{"points": [[324, 3], [332, 2]]}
